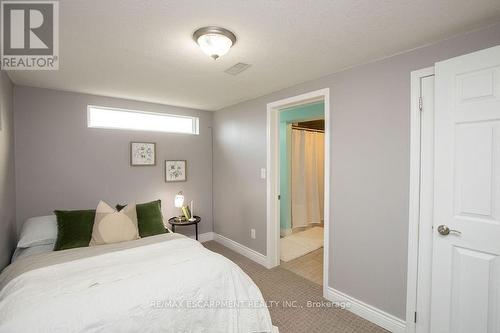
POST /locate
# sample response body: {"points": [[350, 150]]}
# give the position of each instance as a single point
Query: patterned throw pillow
{"points": [[111, 226]]}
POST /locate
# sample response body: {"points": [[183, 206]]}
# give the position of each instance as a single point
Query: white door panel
{"points": [[475, 174], [466, 265]]}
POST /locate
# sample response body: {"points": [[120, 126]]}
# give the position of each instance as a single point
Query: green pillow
{"points": [[149, 218], [74, 228]]}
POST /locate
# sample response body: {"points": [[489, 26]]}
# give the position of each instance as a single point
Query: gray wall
{"points": [[62, 164], [370, 148], [7, 178]]}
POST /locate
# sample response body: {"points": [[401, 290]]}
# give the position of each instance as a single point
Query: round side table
{"points": [[174, 221]]}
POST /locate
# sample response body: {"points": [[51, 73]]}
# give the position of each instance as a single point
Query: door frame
{"points": [[418, 266], [273, 207]]}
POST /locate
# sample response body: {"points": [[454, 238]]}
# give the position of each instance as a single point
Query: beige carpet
{"points": [[280, 285], [309, 266]]}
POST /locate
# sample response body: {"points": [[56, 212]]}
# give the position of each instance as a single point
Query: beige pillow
{"points": [[111, 226]]}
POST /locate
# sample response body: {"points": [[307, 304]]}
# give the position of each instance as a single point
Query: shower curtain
{"points": [[307, 185]]}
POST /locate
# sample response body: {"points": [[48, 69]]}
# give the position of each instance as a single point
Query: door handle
{"points": [[445, 231]]}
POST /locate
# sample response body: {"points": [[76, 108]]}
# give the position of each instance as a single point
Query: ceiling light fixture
{"points": [[214, 41]]}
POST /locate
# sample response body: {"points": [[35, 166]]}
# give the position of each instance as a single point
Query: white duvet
{"points": [[166, 283]]}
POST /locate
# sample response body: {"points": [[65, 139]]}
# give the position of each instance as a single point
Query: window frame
{"points": [[195, 120]]}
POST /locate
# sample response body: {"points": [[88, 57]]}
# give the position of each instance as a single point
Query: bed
{"points": [[163, 283]]}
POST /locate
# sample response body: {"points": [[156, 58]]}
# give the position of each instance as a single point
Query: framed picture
{"points": [[142, 153], [175, 171]]}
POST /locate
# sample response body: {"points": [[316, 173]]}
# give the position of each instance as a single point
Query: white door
{"points": [[466, 262]]}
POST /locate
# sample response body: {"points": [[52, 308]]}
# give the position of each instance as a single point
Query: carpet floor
{"points": [[309, 266], [290, 297]]}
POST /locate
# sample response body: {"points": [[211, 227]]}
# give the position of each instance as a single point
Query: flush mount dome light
{"points": [[214, 41]]}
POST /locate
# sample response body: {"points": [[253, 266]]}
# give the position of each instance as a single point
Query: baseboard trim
{"points": [[368, 312], [241, 249]]}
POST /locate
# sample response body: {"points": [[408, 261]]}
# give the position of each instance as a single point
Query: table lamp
{"points": [[179, 202]]}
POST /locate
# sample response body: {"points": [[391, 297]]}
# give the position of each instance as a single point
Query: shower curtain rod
{"points": [[307, 129]]}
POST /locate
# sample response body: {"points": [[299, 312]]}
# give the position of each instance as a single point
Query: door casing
{"points": [[420, 203], [273, 207]]}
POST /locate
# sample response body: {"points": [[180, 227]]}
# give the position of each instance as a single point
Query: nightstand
{"points": [[174, 221]]}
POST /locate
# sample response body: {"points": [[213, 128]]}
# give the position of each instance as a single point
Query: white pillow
{"points": [[40, 230], [39, 249]]}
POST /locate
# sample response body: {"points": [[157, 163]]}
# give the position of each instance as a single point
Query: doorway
{"points": [[302, 130], [275, 228]]}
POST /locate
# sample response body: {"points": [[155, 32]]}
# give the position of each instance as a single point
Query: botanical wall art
{"points": [[142, 153], [175, 171]]}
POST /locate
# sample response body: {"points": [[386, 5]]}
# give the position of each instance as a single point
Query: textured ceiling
{"points": [[143, 49]]}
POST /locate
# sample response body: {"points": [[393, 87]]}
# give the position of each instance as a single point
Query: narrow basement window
{"points": [[111, 118]]}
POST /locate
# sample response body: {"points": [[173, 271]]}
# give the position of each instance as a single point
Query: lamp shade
{"points": [[179, 200], [214, 41], [214, 45]]}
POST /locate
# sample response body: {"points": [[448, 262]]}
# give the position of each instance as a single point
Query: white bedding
{"points": [[165, 283]]}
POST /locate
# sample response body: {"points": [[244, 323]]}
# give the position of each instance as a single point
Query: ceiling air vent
{"points": [[237, 69]]}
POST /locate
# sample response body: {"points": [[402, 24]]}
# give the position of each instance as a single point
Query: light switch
{"points": [[263, 173]]}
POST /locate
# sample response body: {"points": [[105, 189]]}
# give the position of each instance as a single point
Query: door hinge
{"points": [[415, 317], [420, 103]]}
